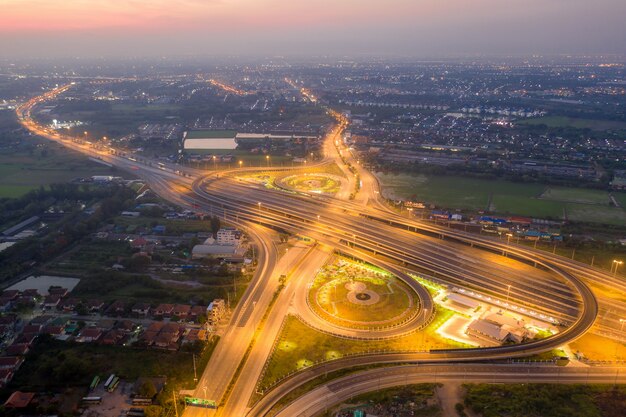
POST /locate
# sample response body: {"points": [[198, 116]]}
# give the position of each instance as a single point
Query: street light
{"points": [[508, 291], [240, 164], [214, 162], [617, 264], [267, 158], [508, 238]]}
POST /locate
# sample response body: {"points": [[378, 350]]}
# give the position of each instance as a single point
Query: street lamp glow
{"points": [[617, 264]]}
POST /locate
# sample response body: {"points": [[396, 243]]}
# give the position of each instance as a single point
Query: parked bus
{"points": [[114, 384], [142, 401], [200, 402], [109, 380], [94, 383], [91, 400]]}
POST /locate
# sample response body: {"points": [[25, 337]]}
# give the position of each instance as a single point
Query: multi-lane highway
{"points": [[545, 285], [334, 392]]}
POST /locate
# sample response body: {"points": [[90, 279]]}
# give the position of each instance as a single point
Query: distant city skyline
{"points": [[91, 28]]}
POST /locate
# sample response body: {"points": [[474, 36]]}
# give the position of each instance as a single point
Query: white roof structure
{"points": [[210, 143], [200, 251], [488, 329], [463, 300]]}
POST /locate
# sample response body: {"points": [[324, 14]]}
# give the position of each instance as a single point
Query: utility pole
{"points": [[195, 375], [175, 406]]}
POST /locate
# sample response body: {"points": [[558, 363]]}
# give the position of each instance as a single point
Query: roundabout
{"points": [[353, 299], [317, 183]]}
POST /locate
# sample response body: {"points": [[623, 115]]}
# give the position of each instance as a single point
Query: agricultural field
{"points": [[46, 163], [505, 197]]}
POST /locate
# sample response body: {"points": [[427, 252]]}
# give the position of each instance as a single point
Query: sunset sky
{"points": [[272, 27]]}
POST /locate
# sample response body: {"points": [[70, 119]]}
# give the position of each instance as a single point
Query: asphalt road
{"points": [[342, 389], [358, 227]]}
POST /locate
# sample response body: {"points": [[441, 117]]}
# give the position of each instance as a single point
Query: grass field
{"points": [[562, 121], [299, 346], [22, 171], [312, 183], [505, 197], [621, 199], [576, 195], [598, 214], [330, 291]]}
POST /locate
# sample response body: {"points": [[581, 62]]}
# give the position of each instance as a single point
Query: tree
{"points": [[153, 411], [215, 225], [147, 389]]}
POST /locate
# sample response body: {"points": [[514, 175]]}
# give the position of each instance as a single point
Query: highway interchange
{"points": [[545, 285]]}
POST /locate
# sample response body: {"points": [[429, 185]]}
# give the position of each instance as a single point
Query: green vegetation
{"points": [[92, 256], [73, 226], [46, 163], [55, 365], [597, 214], [415, 400], [576, 195], [333, 286], [546, 400], [311, 183], [455, 192], [172, 227], [506, 197], [299, 346], [247, 158], [578, 123]]}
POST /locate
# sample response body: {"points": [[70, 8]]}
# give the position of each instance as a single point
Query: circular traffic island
{"points": [[311, 183], [359, 297]]}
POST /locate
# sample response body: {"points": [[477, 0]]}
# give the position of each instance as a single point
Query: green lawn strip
{"points": [[299, 346]]}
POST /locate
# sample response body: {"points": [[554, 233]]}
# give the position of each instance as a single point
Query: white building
{"points": [[228, 236], [213, 251]]}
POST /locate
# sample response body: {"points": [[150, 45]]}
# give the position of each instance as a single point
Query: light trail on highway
{"points": [[374, 234]]}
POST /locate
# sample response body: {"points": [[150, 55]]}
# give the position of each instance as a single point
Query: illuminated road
{"points": [[364, 227], [342, 389]]}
